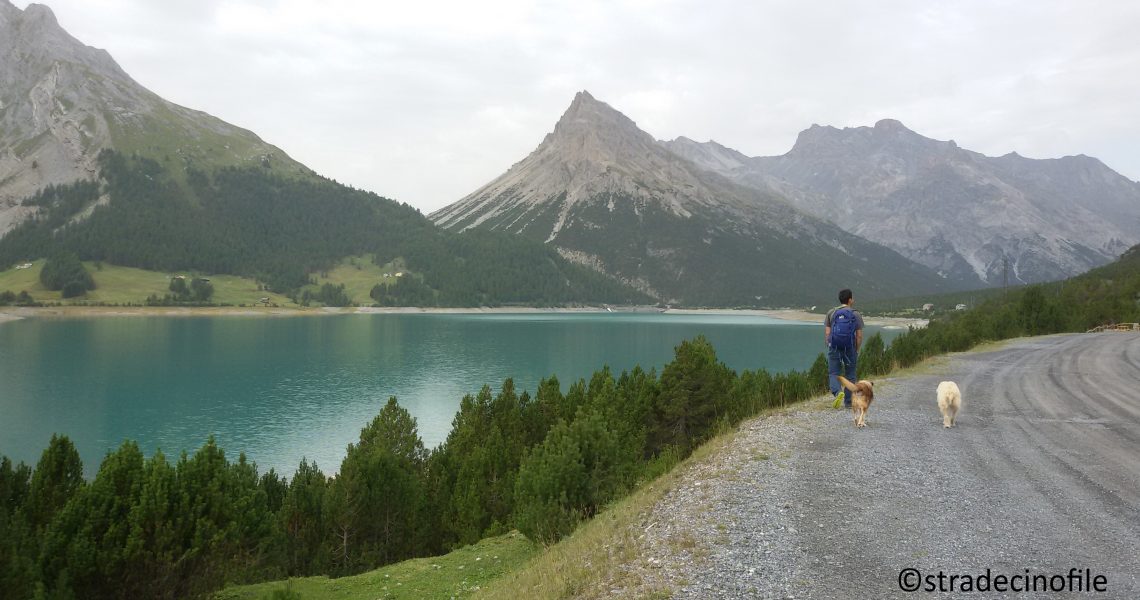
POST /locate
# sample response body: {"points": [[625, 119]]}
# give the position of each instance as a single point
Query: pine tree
{"points": [[569, 477], [376, 503], [155, 544], [695, 390], [57, 477], [303, 522]]}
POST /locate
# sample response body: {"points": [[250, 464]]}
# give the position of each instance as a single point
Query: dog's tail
{"points": [[846, 384]]}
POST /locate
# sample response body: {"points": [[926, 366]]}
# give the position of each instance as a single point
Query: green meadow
{"points": [[127, 285], [358, 274]]}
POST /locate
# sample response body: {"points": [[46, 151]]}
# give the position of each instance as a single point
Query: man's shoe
{"points": [[839, 400]]}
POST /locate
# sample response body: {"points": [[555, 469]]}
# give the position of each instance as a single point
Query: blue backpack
{"points": [[843, 325]]}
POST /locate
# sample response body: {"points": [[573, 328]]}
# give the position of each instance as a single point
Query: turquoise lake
{"points": [[280, 389]]}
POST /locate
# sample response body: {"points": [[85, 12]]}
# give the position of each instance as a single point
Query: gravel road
{"points": [[1042, 474]]}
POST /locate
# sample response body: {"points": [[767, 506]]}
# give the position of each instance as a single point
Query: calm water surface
{"points": [[282, 388]]}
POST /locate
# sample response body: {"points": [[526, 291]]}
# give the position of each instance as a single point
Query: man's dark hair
{"points": [[844, 296]]}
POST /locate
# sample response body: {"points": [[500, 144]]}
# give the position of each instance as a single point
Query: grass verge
{"points": [[458, 574]]}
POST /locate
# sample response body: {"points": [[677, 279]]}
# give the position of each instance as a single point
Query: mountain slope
{"points": [[94, 164], [282, 230], [62, 102], [608, 195], [959, 212]]}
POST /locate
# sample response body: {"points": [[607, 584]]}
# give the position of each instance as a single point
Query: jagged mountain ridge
{"points": [[62, 102], [607, 194], [959, 212]]}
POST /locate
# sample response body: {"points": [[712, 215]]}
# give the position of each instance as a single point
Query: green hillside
{"points": [[703, 261], [911, 306], [205, 143], [284, 232], [1103, 294], [1106, 295]]}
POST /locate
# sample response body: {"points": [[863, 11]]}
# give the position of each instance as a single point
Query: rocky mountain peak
{"points": [[959, 212], [891, 126], [595, 128], [40, 15], [7, 11], [587, 109], [62, 102], [813, 137], [888, 137], [33, 23], [593, 152], [659, 216], [33, 40]]}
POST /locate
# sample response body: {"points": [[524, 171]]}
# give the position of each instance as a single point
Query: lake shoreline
{"points": [[62, 312]]}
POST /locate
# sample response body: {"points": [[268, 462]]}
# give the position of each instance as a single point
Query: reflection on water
{"points": [[280, 389]]}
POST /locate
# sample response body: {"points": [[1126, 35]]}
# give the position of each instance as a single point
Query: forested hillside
{"points": [[1106, 295], [280, 229]]}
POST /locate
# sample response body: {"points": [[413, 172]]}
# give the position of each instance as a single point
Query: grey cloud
{"points": [[425, 108]]}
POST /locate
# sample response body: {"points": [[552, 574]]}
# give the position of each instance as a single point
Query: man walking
{"points": [[843, 332]]}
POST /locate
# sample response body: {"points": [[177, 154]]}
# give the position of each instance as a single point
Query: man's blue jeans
{"points": [[837, 359]]}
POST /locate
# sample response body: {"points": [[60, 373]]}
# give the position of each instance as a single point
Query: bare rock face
{"points": [[62, 102], [596, 151], [601, 189], [709, 156], [964, 214], [593, 150], [45, 135]]}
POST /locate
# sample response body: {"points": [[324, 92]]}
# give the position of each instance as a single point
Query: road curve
{"points": [[1041, 475]]}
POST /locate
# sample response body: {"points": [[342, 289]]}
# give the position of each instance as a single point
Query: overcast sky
{"points": [[424, 102]]}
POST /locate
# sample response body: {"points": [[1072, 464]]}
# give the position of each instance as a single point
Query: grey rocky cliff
{"points": [[597, 151], [594, 150], [62, 102], [959, 212]]}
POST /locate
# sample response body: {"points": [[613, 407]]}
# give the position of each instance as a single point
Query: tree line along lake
{"points": [[280, 389]]}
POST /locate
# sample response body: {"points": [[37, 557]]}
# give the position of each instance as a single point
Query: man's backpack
{"points": [[843, 325]]}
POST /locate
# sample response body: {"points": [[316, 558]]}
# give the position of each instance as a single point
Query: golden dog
{"points": [[949, 401], [861, 395]]}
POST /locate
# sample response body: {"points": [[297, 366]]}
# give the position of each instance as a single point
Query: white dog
{"points": [[949, 401]]}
